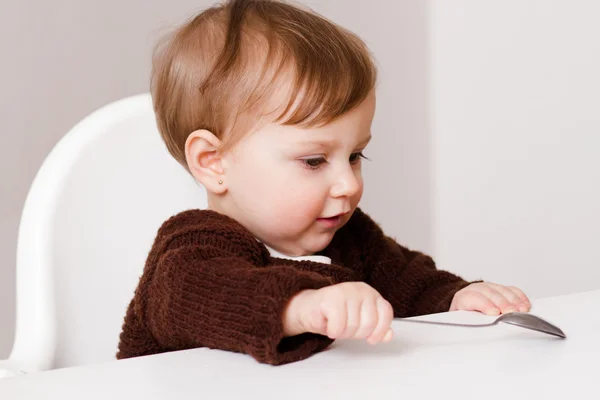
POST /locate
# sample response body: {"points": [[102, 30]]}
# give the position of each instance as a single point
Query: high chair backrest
{"points": [[88, 223]]}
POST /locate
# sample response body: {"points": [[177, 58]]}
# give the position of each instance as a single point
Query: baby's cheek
{"points": [[300, 205]]}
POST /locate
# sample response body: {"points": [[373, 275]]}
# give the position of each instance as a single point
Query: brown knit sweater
{"points": [[209, 283]]}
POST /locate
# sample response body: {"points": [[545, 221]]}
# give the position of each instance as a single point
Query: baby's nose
{"points": [[347, 185]]}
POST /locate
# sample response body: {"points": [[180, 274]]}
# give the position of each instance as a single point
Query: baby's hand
{"points": [[350, 310], [490, 299]]}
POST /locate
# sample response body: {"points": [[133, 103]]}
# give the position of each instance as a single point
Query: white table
{"points": [[422, 361]]}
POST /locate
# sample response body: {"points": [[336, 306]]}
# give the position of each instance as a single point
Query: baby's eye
{"points": [[355, 157], [313, 163]]}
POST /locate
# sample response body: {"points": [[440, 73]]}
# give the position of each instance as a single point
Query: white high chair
{"points": [[88, 223]]}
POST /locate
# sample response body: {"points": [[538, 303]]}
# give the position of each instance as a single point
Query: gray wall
{"points": [[63, 59], [516, 141]]}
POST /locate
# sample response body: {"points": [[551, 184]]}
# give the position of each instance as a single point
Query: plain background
{"points": [[486, 138]]}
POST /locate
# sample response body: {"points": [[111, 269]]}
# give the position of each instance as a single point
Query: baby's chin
{"points": [[312, 241], [304, 247], [324, 238], [319, 244]]}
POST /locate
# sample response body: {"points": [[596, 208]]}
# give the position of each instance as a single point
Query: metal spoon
{"points": [[523, 320]]}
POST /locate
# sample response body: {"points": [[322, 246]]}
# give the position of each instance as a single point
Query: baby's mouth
{"points": [[331, 222]]}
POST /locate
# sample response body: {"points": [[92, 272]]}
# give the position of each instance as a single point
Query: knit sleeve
{"points": [[201, 296], [408, 279]]}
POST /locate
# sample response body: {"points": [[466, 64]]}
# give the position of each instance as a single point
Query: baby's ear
{"points": [[204, 161]]}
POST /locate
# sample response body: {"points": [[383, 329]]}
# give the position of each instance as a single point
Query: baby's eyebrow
{"points": [[367, 140], [329, 142], [324, 143]]}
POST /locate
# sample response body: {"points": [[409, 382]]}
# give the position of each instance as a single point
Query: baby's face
{"points": [[293, 188]]}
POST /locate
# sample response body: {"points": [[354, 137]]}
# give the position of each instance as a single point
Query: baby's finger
{"points": [[497, 298], [385, 315], [336, 319], [388, 336], [353, 311], [508, 294], [526, 303], [515, 296], [476, 301], [368, 319]]}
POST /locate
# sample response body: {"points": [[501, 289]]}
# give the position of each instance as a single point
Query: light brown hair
{"points": [[244, 60]]}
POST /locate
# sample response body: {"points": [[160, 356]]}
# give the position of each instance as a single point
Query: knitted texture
{"points": [[208, 282]]}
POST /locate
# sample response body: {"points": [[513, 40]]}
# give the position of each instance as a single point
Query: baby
{"points": [[269, 107]]}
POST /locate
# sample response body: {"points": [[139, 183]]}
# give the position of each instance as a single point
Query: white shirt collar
{"points": [[313, 258]]}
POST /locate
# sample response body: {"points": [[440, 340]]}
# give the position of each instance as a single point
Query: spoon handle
{"points": [[419, 321]]}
